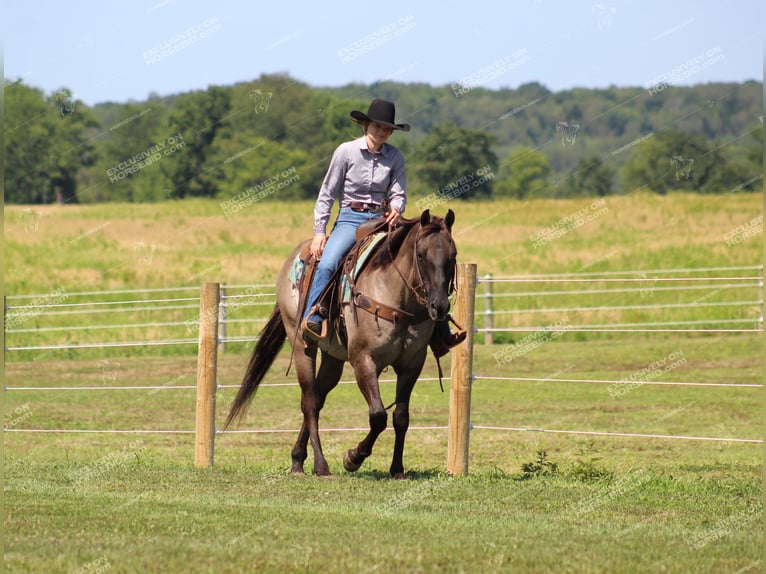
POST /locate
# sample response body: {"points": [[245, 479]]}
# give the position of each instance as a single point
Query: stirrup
{"points": [[309, 336]]}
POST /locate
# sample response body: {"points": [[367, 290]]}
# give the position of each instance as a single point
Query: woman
{"points": [[365, 174]]}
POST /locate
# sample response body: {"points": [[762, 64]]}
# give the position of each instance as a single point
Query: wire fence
{"points": [[699, 300], [714, 300], [69, 321]]}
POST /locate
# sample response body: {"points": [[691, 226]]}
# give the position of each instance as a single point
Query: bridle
{"points": [[414, 289], [419, 289]]}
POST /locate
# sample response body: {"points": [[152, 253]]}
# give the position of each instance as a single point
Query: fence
{"points": [[701, 300], [147, 317], [734, 293]]}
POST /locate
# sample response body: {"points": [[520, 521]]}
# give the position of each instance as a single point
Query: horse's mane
{"points": [[389, 248]]}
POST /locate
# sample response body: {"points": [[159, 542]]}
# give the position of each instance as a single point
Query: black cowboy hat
{"points": [[382, 112]]}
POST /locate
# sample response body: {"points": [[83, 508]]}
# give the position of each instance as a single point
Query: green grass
{"points": [[134, 502], [615, 504], [115, 246], [53, 249], [163, 517]]}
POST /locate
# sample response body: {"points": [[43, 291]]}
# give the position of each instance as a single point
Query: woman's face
{"points": [[377, 134]]}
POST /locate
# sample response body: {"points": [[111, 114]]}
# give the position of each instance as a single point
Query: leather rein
{"points": [[391, 313]]}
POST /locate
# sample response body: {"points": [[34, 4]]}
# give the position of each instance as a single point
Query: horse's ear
{"points": [[425, 217], [449, 220]]}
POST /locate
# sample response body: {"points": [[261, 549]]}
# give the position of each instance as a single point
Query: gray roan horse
{"points": [[412, 271]]}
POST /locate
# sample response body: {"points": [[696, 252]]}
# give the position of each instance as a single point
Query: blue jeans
{"points": [[341, 240]]}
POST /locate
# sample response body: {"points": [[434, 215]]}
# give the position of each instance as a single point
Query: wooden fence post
{"points": [[207, 356], [462, 373]]}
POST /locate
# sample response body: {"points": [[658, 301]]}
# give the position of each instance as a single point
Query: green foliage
{"points": [[524, 173], [196, 117], [585, 469], [248, 164], [28, 145], [46, 145], [541, 466], [128, 131], [592, 177], [674, 160], [452, 161], [59, 149]]}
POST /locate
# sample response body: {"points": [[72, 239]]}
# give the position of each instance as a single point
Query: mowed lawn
{"points": [[535, 499], [612, 504]]}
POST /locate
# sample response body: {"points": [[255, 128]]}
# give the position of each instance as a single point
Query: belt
{"points": [[365, 207]]}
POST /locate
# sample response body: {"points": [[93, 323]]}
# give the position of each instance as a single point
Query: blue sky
{"points": [[118, 51]]}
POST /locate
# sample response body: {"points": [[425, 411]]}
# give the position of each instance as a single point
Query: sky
{"points": [[122, 51]]}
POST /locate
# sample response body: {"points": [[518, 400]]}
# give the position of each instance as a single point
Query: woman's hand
{"points": [[392, 217], [317, 245]]}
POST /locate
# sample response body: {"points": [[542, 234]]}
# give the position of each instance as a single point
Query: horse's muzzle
{"points": [[438, 308]]}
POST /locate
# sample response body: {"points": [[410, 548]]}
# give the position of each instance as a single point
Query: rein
{"points": [[393, 314], [362, 301], [420, 286]]}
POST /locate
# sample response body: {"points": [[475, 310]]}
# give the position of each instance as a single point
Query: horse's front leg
{"points": [[405, 383], [367, 379]]}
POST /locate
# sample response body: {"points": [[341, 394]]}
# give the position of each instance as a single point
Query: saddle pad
{"points": [[296, 271], [368, 249], [299, 266]]}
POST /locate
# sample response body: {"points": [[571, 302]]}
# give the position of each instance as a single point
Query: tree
{"points": [[591, 177], [261, 168], [28, 144], [456, 162], [196, 118], [46, 144], [673, 160], [524, 173], [127, 134], [75, 150]]}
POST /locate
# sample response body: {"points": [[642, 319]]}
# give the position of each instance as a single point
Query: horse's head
{"points": [[435, 255]]}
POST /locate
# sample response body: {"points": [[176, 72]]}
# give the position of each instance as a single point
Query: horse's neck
{"points": [[403, 269]]}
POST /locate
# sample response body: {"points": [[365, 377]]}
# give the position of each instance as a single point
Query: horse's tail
{"points": [[269, 343]]}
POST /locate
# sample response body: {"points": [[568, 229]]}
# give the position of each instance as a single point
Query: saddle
{"points": [[342, 289], [331, 299]]}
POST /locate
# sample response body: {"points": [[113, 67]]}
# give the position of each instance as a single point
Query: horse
{"points": [[411, 275]]}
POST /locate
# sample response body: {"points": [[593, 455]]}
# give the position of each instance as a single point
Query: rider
{"points": [[364, 174]]}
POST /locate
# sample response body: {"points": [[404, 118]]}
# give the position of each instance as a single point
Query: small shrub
{"points": [[586, 469], [541, 466]]}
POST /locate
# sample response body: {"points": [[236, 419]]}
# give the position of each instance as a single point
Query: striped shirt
{"points": [[357, 174]]}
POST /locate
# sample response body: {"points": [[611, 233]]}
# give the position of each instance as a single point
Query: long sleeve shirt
{"points": [[357, 174]]}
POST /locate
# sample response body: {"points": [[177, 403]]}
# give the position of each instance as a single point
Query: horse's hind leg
{"points": [[304, 367], [299, 452], [314, 391]]}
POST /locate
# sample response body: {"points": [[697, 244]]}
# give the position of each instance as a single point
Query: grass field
{"points": [[54, 252], [117, 246], [534, 501], [614, 504]]}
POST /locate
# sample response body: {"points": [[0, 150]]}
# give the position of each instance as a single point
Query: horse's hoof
{"points": [[399, 476], [348, 464], [297, 472]]}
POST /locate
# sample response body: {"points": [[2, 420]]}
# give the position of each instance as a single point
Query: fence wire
{"points": [[232, 302]]}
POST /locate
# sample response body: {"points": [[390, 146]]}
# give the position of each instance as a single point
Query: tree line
{"points": [[230, 142]]}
